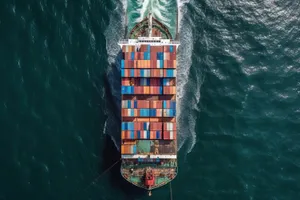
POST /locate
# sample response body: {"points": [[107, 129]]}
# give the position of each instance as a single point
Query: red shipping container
{"points": [[165, 63], [155, 81], [166, 135], [138, 89], [172, 56], [126, 81], [123, 112], [156, 126], [156, 104], [169, 135], [153, 64], [130, 63], [153, 56], [143, 104]]}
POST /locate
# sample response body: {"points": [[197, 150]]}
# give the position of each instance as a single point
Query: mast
{"points": [[150, 24]]}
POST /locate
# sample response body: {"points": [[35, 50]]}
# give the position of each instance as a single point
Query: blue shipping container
{"points": [[122, 64], [157, 134], [161, 64], [144, 112], [146, 126], [134, 149], [127, 90], [138, 134], [122, 73], [171, 48], [131, 72], [173, 105], [132, 55], [160, 90], [170, 72], [135, 104], [131, 134]]}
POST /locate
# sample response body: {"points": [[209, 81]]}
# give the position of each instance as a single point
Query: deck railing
{"points": [[126, 42]]}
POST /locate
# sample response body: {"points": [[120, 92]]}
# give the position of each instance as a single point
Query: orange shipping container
{"points": [[159, 112], [156, 104], [148, 63], [169, 90], [154, 119], [157, 73], [130, 142], [146, 89], [127, 149]]}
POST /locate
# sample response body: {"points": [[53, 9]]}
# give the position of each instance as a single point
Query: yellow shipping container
{"points": [[142, 119]]}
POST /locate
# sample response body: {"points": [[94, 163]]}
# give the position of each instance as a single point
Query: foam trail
{"points": [[113, 34], [143, 11], [185, 114]]}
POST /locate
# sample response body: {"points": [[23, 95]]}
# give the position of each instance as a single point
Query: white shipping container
{"points": [[161, 73], [171, 135]]}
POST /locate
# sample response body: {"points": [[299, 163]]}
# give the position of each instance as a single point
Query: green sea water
{"points": [[238, 99]]}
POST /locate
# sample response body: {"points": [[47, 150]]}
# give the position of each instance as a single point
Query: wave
{"points": [[186, 118]]}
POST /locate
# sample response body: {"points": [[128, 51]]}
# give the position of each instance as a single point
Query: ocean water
{"points": [[238, 99]]}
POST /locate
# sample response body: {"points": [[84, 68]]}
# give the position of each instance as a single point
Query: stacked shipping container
{"points": [[148, 91]]}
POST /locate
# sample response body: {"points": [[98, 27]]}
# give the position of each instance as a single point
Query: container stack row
{"points": [[165, 104], [149, 90], [149, 130], [135, 81], [148, 64], [148, 73]]}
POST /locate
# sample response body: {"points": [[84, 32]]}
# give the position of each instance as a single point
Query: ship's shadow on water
{"points": [[112, 84], [112, 155]]}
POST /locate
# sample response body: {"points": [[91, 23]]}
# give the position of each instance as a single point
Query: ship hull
{"points": [[149, 132]]}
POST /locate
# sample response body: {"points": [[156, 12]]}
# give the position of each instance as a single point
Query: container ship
{"points": [[148, 111]]}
